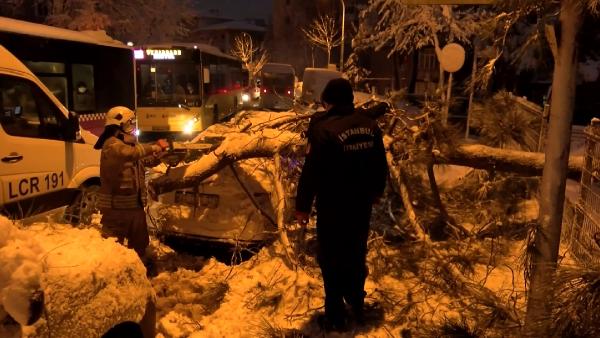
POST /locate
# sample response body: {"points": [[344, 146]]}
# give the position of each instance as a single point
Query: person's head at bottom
{"points": [[337, 92]]}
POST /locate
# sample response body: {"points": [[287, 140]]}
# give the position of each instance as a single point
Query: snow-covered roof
{"points": [[204, 48], [234, 25], [36, 29]]}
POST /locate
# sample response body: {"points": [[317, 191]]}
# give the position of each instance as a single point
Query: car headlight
{"points": [[245, 97]]}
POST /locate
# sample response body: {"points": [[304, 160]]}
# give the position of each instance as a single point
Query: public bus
{"points": [[182, 88], [87, 71], [277, 84]]}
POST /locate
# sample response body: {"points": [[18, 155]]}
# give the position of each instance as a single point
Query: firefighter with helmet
{"points": [[122, 194]]}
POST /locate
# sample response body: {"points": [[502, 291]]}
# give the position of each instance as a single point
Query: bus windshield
{"points": [[168, 85]]}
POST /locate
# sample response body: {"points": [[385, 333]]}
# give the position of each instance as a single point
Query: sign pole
{"points": [[447, 104], [472, 89]]}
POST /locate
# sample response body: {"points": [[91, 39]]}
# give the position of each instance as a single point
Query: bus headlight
{"points": [[245, 97], [189, 126]]}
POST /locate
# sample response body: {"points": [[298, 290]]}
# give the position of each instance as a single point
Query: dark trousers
{"points": [[127, 224], [342, 233]]}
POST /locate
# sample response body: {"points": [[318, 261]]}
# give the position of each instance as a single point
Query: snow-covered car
{"points": [[92, 286], [233, 206], [220, 209]]}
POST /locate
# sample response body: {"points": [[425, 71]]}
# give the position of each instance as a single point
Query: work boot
{"points": [[358, 314], [151, 269], [328, 324]]}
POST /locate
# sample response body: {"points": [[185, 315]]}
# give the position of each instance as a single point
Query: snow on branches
{"points": [[136, 20], [393, 25], [251, 55], [323, 33]]}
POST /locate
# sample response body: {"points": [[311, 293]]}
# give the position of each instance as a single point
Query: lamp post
{"points": [[342, 41]]}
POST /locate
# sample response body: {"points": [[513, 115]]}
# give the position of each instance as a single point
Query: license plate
{"points": [[18, 187], [160, 128], [210, 201]]}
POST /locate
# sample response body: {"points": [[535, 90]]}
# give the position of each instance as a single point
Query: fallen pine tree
{"points": [[267, 142], [525, 163]]}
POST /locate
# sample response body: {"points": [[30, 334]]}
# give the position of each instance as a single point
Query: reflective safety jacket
{"points": [[122, 184]]}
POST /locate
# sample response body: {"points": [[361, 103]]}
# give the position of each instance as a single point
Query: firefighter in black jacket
{"points": [[345, 171]]}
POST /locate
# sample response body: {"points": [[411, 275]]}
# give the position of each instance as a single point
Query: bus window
{"points": [[84, 95], [58, 87], [53, 75], [46, 67], [168, 85]]}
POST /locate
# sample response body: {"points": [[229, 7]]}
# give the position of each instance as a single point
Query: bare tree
{"points": [[323, 33], [253, 57]]}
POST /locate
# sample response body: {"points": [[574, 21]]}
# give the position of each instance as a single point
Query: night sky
{"points": [[239, 9]]}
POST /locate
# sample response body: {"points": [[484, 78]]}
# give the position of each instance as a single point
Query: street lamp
{"points": [[342, 41]]}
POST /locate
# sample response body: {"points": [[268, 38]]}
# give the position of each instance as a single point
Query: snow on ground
{"points": [[265, 297]]}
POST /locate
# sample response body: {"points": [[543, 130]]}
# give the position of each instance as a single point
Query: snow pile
{"points": [[90, 283], [407, 291], [234, 301], [20, 271]]}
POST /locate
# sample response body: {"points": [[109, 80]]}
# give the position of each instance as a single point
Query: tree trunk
{"points": [[280, 207], [267, 145], [412, 84], [235, 147], [521, 162], [552, 190]]}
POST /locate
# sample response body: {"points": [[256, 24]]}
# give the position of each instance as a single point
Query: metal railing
{"points": [[583, 232]]}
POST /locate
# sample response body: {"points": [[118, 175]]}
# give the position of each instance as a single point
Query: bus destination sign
{"points": [[163, 54]]}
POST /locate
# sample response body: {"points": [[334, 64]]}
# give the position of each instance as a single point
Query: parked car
{"points": [[46, 161], [231, 207], [92, 286]]}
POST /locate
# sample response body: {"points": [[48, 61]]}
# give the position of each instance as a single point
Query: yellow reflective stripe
{"points": [[140, 149], [117, 201]]}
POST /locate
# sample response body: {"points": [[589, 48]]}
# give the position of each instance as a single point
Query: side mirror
{"points": [[72, 127]]}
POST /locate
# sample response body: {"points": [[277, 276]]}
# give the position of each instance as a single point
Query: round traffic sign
{"points": [[452, 57]]}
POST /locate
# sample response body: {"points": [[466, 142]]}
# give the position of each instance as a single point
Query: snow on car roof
{"points": [[204, 48], [35, 29]]}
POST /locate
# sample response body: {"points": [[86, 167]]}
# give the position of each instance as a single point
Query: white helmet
{"points": [[121, 116]]}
